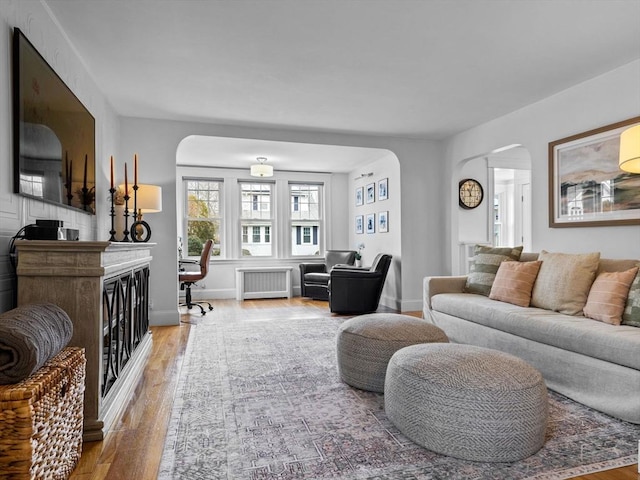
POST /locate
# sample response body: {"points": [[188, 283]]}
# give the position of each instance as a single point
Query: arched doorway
{"points": [[504, 216]]}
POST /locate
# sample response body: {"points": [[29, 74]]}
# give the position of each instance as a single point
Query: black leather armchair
{"points": [[314, 277], [357, 291]]}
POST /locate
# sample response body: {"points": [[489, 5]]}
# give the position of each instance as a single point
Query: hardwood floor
{"points": [[133, 449]]}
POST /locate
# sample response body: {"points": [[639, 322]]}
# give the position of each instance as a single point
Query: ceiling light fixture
{"points": [[261, 169], [630, 150]]}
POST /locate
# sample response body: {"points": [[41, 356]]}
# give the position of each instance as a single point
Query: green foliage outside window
{"points": [[199, 231]]}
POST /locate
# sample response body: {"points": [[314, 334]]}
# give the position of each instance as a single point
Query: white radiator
{"points": [[263, 282]]}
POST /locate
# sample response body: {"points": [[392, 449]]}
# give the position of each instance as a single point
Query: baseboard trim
{"points": [[411, 305], [164, 318]]}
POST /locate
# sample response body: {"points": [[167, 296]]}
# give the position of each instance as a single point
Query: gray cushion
{"points": [[466, 401], [631, 314], [366, 343], [617, 344], [316, 278], [486, 261], [336, 257]]}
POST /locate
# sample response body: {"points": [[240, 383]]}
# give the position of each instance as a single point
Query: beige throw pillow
{"points": [[514, 282], [564, 281], [486, 261], [608, 296]]}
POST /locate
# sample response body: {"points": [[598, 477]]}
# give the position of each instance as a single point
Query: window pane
{"points": [[256, 239], [305, 202], [256, 200], [306, 218], [199, 231], [32, 184], [203, 215]]}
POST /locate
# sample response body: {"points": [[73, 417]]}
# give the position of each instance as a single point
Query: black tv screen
{"points": [[53, 133]]}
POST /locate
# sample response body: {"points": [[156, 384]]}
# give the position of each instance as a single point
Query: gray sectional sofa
{"points": [[594, 363]]}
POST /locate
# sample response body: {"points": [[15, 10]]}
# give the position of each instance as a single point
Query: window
{"points": [[306, 218], [203, 215], [32, 184], [270, 219], [256, 203]]}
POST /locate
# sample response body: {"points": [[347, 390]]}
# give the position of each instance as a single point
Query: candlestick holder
{"points": [[69, 194], [134, 226], [140, 230], [135, 198], [85, 196], [112, 238], [125, 232]]}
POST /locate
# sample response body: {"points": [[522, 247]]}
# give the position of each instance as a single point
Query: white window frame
{"points": [[257, 205], [230, 212], [306, 223]]}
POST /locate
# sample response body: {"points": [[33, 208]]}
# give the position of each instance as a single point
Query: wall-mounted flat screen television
{"points": [[53, 134]]}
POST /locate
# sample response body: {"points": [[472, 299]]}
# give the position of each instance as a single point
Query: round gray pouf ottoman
{"points": [[467, 402], [367, 342]]}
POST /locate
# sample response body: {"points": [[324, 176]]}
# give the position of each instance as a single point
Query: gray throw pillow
{"points": [[631, 314], [486, 261]]}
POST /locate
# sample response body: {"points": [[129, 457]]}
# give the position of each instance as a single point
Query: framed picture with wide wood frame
{"points": [[586, 186]]}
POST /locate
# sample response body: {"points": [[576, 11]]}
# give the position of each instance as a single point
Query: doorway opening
{"points": [[509, 175], [503, 218]]}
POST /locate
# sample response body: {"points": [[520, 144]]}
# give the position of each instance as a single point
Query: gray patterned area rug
{"points": [[262, 400]]}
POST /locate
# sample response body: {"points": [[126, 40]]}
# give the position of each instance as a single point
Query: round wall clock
{"points": [[470, 193]]}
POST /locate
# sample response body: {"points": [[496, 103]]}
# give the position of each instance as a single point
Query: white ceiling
{"points": [[413, 68], [199, 150]]}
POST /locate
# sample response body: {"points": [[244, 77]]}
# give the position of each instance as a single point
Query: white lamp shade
{"points": [[149, 198], [630, 150], [261, 170]]}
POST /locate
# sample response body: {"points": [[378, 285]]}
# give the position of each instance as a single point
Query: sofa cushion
{"points": [[608, 296], [316, 278], [564, 281], [514, 282], [616, 344], [486, 261], [616, 265]]}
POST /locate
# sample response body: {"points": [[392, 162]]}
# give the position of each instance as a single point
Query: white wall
{"points": [[389, 242], [16, 211], [606, 99], [156, 142], [473, 224]]}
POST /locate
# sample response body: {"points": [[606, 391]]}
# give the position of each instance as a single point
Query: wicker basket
{"points": [[41, 420]]}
